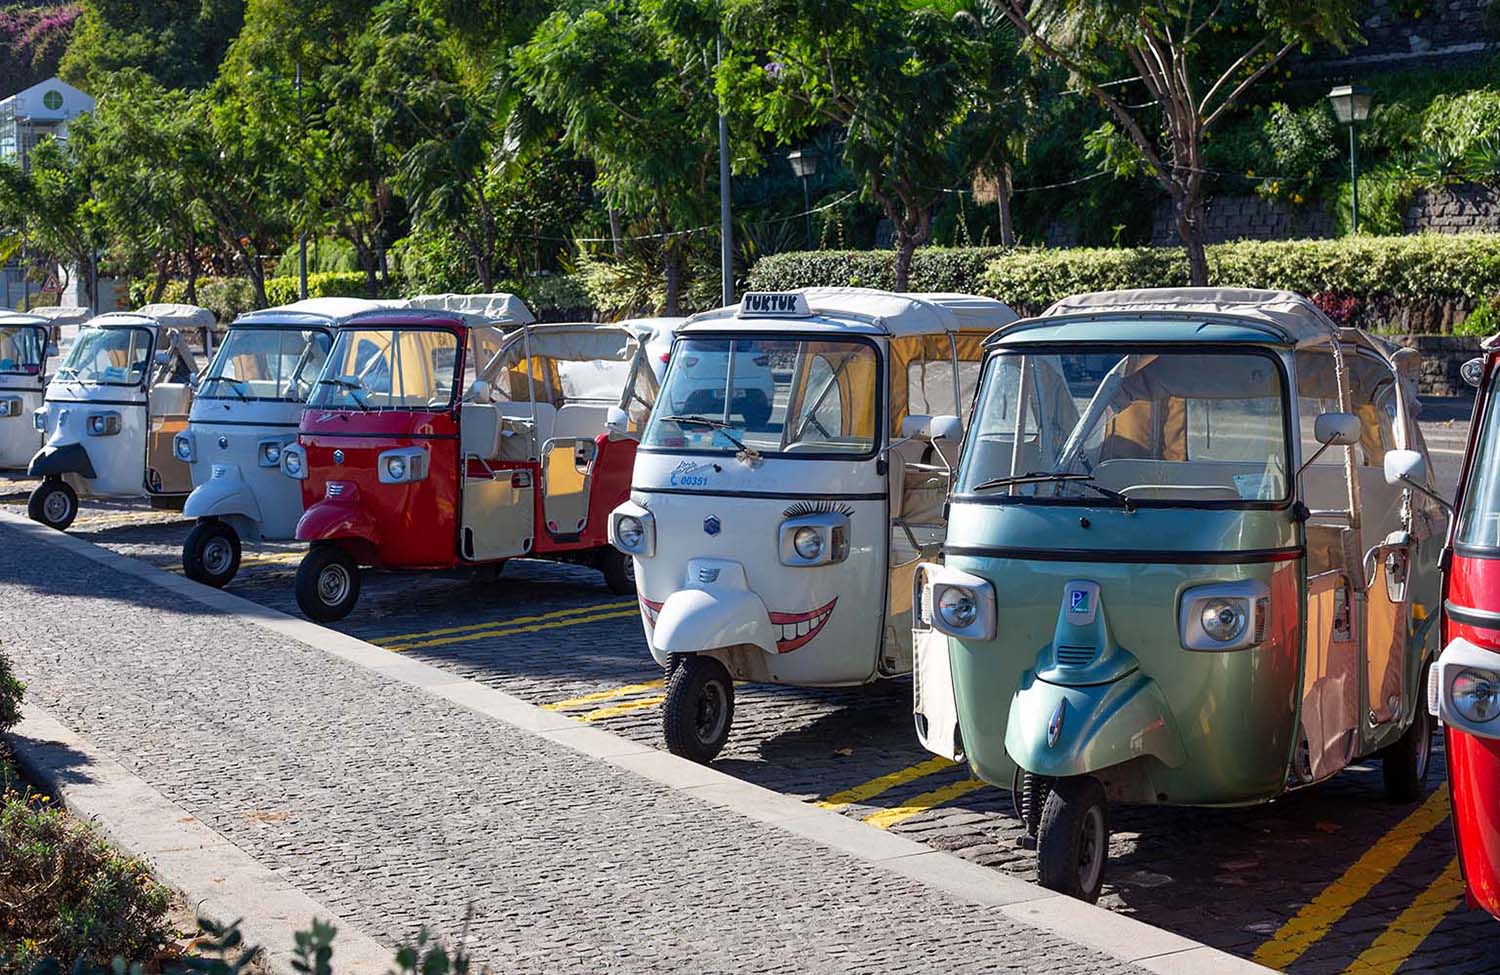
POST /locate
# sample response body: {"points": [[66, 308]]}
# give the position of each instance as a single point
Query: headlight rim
{"points": [[1489, 677], [971, 599], [639, 531], [808, 532], [1237, 605], [183, 448]]}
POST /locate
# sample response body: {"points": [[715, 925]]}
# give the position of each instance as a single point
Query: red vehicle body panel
{"points": [[1474, 761]]}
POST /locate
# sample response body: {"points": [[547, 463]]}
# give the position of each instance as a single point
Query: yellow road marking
{"points": [[596, 696], [487, 624], [884, 783], [1396, 943], [916, 805], [1324, 911], [507, 630], [615, 710]]}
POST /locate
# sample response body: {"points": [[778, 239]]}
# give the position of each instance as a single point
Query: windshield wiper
{"points": [[718, 426], [353, 388], [234, 384], [1045, 477]]}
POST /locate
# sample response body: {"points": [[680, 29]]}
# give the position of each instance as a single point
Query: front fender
{"points": [[1098, 726], [695, 620], [329, 520], [222, 495], [55, 459]]}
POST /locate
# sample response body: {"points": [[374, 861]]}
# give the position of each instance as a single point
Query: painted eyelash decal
{"points": [[818, 508]]}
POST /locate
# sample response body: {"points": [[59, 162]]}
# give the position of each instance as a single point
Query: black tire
{"points": [[1404, 764], [211, 554], [53, 503], [327, 583], [619, 571], [699, 708], [1073, 838]]}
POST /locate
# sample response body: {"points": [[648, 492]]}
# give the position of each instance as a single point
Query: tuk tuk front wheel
{"points": [[53, 503], [211, 554], [1404, 764], [1073, 838], [619, 572], [699, 707], [327, 583]]}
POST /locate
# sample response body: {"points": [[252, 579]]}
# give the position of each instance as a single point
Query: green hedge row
{"points": [[1415, 268]]}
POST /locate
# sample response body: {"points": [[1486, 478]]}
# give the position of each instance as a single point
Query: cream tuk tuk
{"points": [[112, 409], [1175, 570], [790, 479], [28, 343]]}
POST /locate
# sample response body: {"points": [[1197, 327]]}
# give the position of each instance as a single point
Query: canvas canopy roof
{"points": [[21, 318], [61, 314], [329, 309], [177, 316], [868, 310], [570, 343], [498, 307], [1289, 313]]}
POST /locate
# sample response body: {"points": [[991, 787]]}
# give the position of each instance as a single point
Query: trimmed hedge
{"points": [[1428, 267]]}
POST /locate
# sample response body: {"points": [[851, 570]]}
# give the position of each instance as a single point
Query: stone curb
{"points": [[1114, 934]]}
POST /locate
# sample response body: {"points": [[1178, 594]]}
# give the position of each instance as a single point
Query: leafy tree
{"points": [[33, 37], [178, 42], [53, 197], [1168, 70]]}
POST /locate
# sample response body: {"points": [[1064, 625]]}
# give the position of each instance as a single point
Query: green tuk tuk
{"points": [[1174, 570]]}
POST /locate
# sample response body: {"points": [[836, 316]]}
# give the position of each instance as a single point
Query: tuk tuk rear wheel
{"points": [[619, 571], [211, 554], [1073, 838], [53, 503], [327, 583], [699, 707], [1404, 764]]}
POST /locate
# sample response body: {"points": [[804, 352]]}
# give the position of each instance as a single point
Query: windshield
{"points": [[267, 364], [1479, 515], [1173, 427], [779, 396], [388, 369], [22, 349], [115, 356]]}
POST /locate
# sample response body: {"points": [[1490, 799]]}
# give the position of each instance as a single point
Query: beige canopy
{"points": [[1295, 316], [177, 316], [58, 315], [497, 307]]}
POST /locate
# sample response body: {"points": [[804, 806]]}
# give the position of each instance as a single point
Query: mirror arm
{"points": [[1431, 494], [1308, 463]]}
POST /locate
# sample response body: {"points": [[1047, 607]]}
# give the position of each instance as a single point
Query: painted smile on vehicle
{"points": [[793, 630]]}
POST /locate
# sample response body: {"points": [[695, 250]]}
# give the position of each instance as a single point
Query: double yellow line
{"points": [[611, 710], [909, 809], [447, 635]]}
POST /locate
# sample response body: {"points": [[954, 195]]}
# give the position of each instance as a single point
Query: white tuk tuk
{"points": [[112, 409], [246, 410], [28, 343], [791, 478]]}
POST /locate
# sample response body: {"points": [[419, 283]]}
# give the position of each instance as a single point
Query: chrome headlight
{"points": [[807, 542], [268, 453], [10, 406], [958, 607], [1225, 616], [105, 424], [294, 461], [957, 603], [39, 419], [1476, 694], [402, 466], [821, 538], [632, 530], [183, 447]]}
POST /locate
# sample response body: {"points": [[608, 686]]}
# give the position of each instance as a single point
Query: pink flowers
{"points": [[31, 27]]}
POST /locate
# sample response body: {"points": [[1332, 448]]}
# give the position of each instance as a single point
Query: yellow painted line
{"points": [[1412, 926], [615, 710], [884, 783], [598, 696], [1374, 865], [917, 805], [487, 624], [509, 630]]}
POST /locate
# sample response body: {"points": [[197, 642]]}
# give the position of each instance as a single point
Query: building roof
{"points": [[53, 100], [868, 310], [1290, 314]]}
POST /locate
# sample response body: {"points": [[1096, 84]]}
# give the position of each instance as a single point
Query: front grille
{"points": [[219, 470], [335, 488], [1075, 656]]}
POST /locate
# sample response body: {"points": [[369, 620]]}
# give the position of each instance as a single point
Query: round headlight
{"points": [[808, 543], [396, 467], [183, 448], [630, 532], [293, 463], [1224, 619], [958, 607], [1476, 694], [273, 453]]}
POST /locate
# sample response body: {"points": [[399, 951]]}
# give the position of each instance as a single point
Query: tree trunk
{"points": [[160, 284], [674, 280], [192, 270], [1187, 209], [1004, 182], [615, 230], [905, 246]]}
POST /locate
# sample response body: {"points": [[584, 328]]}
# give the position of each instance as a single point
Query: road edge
{"points": [[1118, 935]]}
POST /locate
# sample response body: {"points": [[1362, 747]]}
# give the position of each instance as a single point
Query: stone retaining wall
{"points": [[1442, 355]]}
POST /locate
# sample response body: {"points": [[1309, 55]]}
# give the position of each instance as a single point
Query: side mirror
{"points": [[162, 358], [1336, 429], [1473, 371], [1405, 466], [479, 392], [617, 423], [945, 428], [915, 426]]}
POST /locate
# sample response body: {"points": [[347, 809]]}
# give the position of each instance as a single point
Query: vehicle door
{"points": [[169, 398], [496, 442]]}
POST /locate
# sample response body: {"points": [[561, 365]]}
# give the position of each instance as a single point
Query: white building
{"points": [[44, 109]]}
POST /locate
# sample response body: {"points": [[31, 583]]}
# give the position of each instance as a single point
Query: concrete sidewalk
{"points": [[219, 738]]}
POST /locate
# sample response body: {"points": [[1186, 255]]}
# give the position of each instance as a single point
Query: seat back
{"points": [[479, 430]]}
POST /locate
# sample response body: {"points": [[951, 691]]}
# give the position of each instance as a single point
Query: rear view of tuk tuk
{"points": [[1175, 571], [791, 478]]}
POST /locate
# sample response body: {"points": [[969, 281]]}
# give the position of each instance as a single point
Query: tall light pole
{"points": [[804, 165], [301, 234], [1351, 106], [726, 232]]}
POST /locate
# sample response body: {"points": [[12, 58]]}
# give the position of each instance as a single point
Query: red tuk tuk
{"points": [[1463, 685], [434, 441]]}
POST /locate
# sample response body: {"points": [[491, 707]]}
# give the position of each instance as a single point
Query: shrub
{"points": [[959, 269], [11, 692], [69, 895], [1483, 321], [329, 284]]}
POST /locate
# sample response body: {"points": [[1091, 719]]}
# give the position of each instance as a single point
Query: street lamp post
{"points": [[1351, 106], [804, 165]]}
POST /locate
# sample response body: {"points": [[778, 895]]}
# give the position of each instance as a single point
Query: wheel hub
{"points": [[217, 555], [1091, 849], [56, 506], [711, 710], [333, 584]]}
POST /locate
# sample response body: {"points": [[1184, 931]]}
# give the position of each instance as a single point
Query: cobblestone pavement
{"points": [[398, 809], [1229, 878]]}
